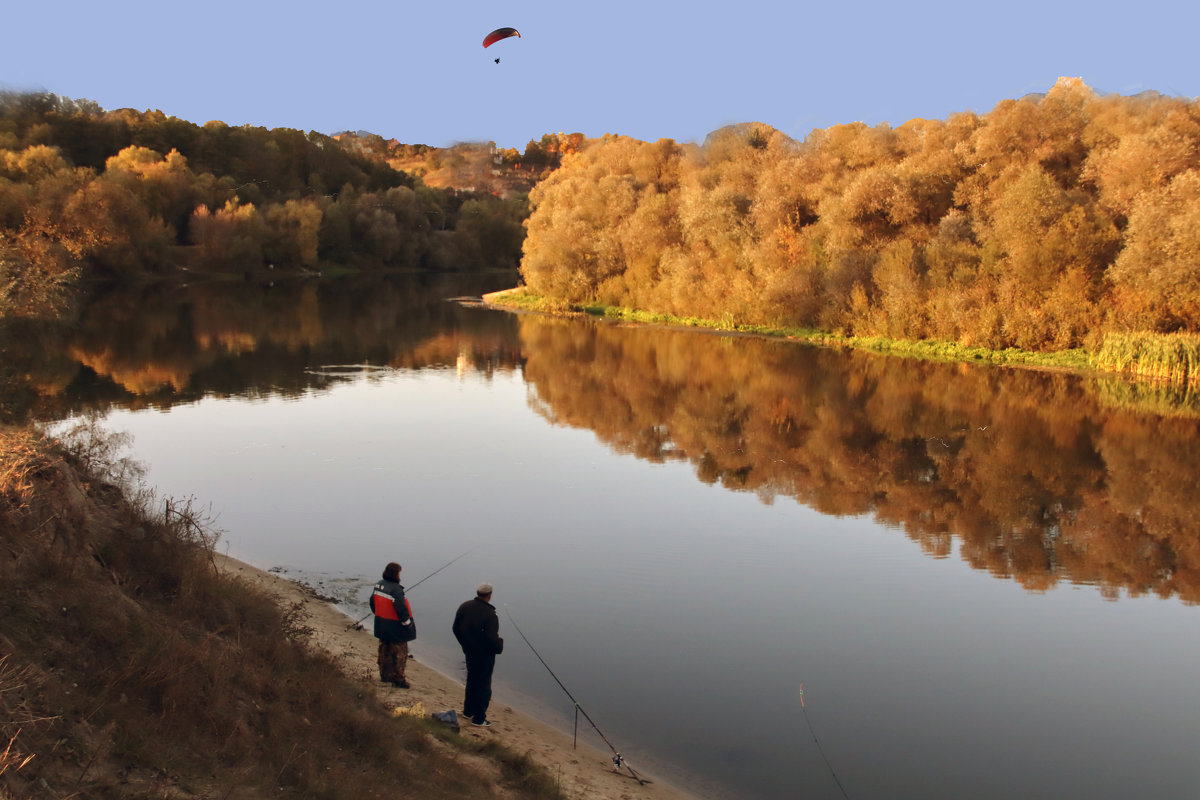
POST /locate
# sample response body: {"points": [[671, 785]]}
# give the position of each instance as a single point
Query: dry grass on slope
{"points": [[130, 668]]}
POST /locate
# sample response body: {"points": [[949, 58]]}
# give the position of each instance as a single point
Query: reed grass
{"points": [[1168, 357], [1146, 397]]}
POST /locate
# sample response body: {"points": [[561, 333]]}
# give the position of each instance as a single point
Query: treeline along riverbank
{"points": [[1052, 222], [88, 192]]}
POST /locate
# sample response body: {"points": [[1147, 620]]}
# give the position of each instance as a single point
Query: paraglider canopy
{"points": [[500, 33]]}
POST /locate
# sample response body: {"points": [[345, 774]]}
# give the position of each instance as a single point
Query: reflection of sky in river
{"points": [[683, 616]]}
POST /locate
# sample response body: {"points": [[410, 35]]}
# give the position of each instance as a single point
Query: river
{"points": [[764, 569]]}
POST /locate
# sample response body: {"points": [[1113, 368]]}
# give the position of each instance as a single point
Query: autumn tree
{"points": [[39, 248], [573, 249], [1158, 272], [230, 238], [127, 192], [1040, 224], [293, 233]]}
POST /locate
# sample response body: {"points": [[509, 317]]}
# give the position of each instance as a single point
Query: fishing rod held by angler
{"points": [[409, 589], [617, 759]]}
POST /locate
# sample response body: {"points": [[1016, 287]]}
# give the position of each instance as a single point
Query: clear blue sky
{"points": [[648, 69]]}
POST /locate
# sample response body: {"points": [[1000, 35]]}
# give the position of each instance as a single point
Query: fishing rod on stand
{"points": [[820, 749], [357, 624], [617, 759]]}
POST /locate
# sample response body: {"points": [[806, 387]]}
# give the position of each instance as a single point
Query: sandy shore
{"points": [[583, 773]]}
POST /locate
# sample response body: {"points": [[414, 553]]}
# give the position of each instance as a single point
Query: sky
{"points": [[650, 69]]}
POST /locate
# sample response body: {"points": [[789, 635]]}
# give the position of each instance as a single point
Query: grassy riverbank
{"points": [[131, 667], [1145, 357]]}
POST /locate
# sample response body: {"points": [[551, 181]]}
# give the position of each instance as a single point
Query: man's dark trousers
{"points": [[479, 685]]}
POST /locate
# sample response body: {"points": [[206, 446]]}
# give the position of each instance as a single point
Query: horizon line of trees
{"points": [[1043, 224], [89, 192]]}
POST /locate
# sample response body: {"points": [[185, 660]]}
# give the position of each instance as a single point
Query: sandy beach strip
{"points": [[583, 771]]}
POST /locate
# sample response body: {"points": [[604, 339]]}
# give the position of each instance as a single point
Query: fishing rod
{"points": [[354, 625], [820, 749], [618, 760]]}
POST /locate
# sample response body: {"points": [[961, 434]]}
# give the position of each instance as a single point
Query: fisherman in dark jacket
{"points": [[477, 629], [394, 626]]}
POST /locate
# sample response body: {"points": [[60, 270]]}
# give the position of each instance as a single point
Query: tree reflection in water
{"points": [[1039, 477]]}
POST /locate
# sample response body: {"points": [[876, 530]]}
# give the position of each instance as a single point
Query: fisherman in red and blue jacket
{"points": [[394, 626]]}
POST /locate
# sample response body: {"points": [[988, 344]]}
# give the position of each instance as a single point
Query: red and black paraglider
{"points": [[498, 34]]}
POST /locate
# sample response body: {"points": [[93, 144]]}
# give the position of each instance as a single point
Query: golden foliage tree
{"points": [[1041, 224], [126, 193], [1159, 269]]}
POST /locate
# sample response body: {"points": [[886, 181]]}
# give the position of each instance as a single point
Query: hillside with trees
{"points": [[1050, 222], [84, 191], [473, 166]]}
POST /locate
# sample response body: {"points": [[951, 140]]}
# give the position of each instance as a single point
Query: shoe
{"points": [[400, 684], [482, 723], [465, 715]]}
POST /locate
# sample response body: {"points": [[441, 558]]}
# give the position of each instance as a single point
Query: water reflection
{"points": [[1038, 478], [1039, 481], [160, 345]]}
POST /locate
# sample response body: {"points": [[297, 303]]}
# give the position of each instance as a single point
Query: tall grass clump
{"points": [[1170, 357]]}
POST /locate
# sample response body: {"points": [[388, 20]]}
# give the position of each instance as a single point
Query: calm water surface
{"points": [[765, 570]]}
